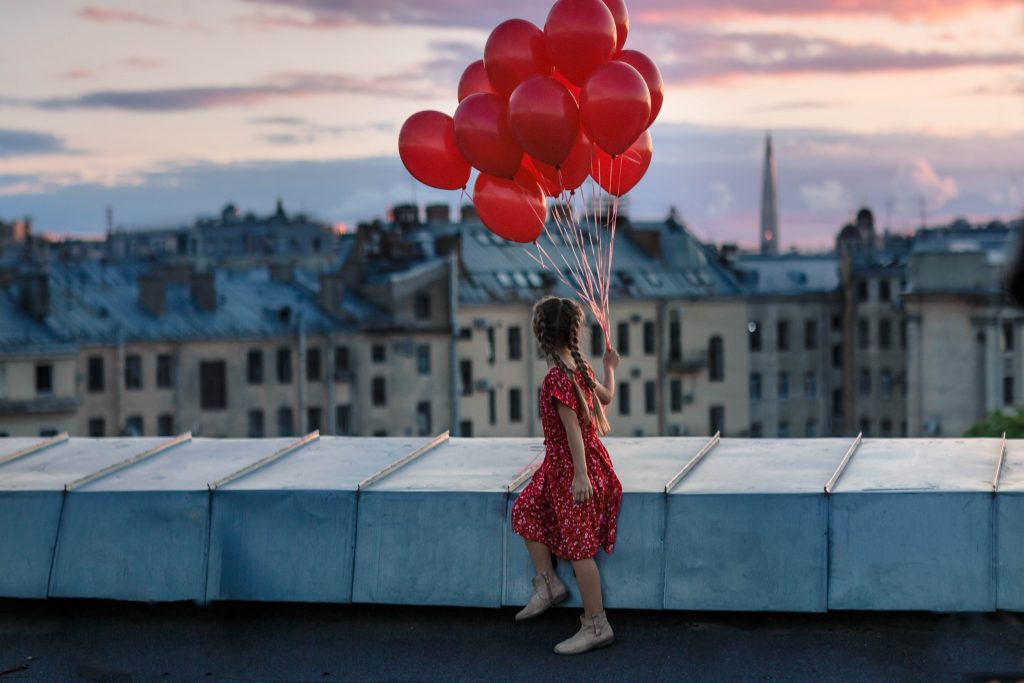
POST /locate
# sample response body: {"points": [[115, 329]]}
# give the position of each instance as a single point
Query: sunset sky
{"points": [[168, 109]]}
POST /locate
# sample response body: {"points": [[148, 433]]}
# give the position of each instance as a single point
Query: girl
{"points": [[570, 506]]}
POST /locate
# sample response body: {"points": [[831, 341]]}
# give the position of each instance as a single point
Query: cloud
{"points": [[701, 56], [16, 143], [107, 15], [142, 62], [721, 200], [295, 130], [795, 106], [827, 196], [920, 179]]}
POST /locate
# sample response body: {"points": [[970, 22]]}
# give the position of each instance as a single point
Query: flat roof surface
{"points": [[51, 468], [64, 640], [921, 464], [465, 465]]}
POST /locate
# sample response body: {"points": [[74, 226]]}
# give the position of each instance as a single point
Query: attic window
{"points": [[534, 280], [481, 237], [504, 279], [520, 280], [653, 279]]}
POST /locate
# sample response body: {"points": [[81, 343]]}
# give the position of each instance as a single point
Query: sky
{"points": [[165, 110]]}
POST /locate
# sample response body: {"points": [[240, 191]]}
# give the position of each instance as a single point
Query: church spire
{"points": [[769, 210]]}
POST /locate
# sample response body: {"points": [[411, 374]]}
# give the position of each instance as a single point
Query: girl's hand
{"points": [[582, 491], [611, 359]]}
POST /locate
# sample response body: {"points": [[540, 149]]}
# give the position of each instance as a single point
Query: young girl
{"points": [[570, 506]]}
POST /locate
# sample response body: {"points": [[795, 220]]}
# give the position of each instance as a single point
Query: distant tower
{"points": [[769, 206]]}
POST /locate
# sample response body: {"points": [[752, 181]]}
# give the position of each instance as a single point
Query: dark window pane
{"points": [[492, 406], [423, 306], [378, 390], [97, 427], [716, 359], [164, 371], [285, 422], [754, 328], [515, 405], [782, 338], [675, 396], [254, 366], [341, 361], [716, 419], [623, 398], [755, 386], [256, 424], [133, 426], [284, 365], [165, 425], [623, 339], [596, 340], [675, 340], [378, 353], [423, 420], [314, 419], [649, 338], [133, 372], [343, 420], [423, 359], [515, 342], [466, 376], [96, 377], [313, 365], [650, 398], [213, 390], [810, 334]]}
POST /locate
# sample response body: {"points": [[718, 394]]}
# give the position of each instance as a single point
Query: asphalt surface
{"points": [[105, 641]]}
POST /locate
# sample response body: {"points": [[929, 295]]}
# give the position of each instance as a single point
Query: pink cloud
{"points": [[107, 15]]}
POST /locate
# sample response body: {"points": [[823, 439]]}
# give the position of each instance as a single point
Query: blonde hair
{"points": [[556, 324]]}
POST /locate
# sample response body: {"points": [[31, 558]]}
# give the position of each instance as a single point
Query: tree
{"points": [[997, 423]]}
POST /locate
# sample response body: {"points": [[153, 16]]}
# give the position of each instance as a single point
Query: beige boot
{"points": [[594, 632], [548, 590]]}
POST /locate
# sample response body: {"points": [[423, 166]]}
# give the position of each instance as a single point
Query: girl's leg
{"points": [[541, 556], [589, 579]]}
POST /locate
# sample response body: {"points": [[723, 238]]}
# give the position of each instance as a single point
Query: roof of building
{"points": [[791, 273]]}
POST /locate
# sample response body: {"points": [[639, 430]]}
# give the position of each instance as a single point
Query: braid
{"points": [[600, 420]]}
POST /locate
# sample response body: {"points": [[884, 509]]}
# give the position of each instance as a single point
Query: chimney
{"points": [[468, 214], [204, 291], [332, 291], [153, 293], [446, 244], [649, 241], [405, 215], [438, 213], [281, 272], [35, 294]]}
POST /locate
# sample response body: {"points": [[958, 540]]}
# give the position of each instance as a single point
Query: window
{"points": [[885, 427], [885, 383], [465, 333], [837, 323], [623, 339], [1008, 391], [837, 402], [285, 422], [378, 353], [164, 371], [380, 432], [884, 290], [423, 421], [716, 419], [811, 428], [864, 382], [862, 290], [515, 405], [422, 306], [650, 398], [596, 340], [782, 336], [492, 406], [466, 376], [466, 428], [783, 385], [903, 428], [756, 430], [491, 351], [903, 333], [96, 380], [675, 393], [865, 427], [783, 429], [165, 424], [885, 333], [810, 334], [254, 366], [716, 359], [863, 333], [1008, 336], [343, 419], [837, 355], [423, 359], [133, 425], [341, 362], [515, 342], [314, 419], [810, 384], [213, 388], [46, 433], [284, 365], [649, 338], [313, 364], [755, 386], [133, 372], [624, 398], [378, 390], [754, 328], [256, 424], [97, 427], [675, 338]]}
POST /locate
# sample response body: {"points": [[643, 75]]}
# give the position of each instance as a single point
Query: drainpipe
{"points": [[330, 426], [119, 382], [303, 427], [453, 353]]}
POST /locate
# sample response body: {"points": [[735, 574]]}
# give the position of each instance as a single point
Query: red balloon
{"points": [[427, 147], [652, 77], [474, 79], [513, 209], [621, 16], [620, 175], [580, 37], [615, 108], [483, 136], [572, 172], [544, 118], [531, 168], [514, 52]]}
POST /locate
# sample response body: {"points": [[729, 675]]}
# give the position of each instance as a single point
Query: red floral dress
{"points": [[545, 511]]}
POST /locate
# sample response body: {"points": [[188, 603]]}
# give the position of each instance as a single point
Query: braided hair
{"points": [[557, 324]]}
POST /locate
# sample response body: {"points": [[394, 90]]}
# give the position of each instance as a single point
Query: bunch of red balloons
{"points": [[539, 114]]}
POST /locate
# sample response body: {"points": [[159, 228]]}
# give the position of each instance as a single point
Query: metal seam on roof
{"points": [[834, 479], [266, 460], [671, 483], [999, 464], [398, 464], [36, 447], [156, 450]]}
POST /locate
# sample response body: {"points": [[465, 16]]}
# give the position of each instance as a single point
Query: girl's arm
{"points": [[606, 392], [581, 488]]}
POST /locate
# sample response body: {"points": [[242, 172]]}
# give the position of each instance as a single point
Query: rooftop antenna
{"points": [[110, 219]]}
